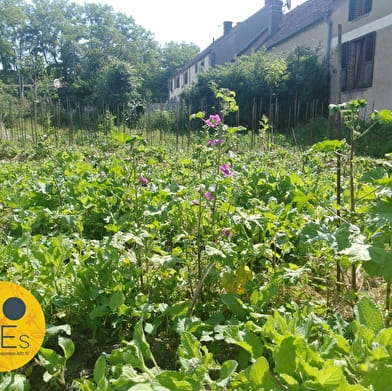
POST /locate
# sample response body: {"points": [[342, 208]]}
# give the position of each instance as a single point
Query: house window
{"points": [[359, 8], [177, 85], [196, 69], [185, 78], [358, 62]]}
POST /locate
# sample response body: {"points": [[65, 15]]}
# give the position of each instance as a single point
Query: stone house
{"points": [[358, 59], [269, 27], [235, 41]]}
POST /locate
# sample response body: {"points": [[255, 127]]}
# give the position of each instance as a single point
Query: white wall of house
{"points": [[323, 35], [315, 37], [187, 76], [379, 20]]}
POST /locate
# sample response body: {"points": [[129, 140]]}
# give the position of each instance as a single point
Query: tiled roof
{"points": [[232, 44], [299, 18], [252, 33]]}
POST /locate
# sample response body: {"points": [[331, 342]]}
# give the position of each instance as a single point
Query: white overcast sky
{"points": [[196, 21]]}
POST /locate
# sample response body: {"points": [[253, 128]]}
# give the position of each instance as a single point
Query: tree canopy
{"points": [[92, 54]]}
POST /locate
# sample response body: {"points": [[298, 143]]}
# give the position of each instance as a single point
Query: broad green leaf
{"points": [[235, 282], [379, 263], [119, 239], [342, 343], [264, 295], [199, 115], [373, 175], [175, 381], [51, 360], [131, 355], [121, 137], [290, 381], [379, 378], [356, 104], [245, 339], [346, 234], [260, 376], [103, 384], [294, 355], [258, 371], [330, 377], [213, 251], [357, 252], [67, 345], [385, 116], [235, 304], [300, 198], [226, 371], [14, 382], [99, 369], [384, 337], [47, 376], [116, 300], [189, 347], [141, 342], [54, 330], [351, 387], [141, 387], [369, 315], [285, 357], [383, 210], [328, 146]]}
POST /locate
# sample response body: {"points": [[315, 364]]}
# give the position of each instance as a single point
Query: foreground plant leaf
{"points": [[369, 315]]}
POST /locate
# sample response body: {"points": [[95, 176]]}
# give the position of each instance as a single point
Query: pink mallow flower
{"points": [[143, 180], [208, 196], [226, 232], [213, 121], [225, 170], [216, 141]]}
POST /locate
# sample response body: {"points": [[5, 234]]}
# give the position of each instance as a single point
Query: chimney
{"points": [[227, 26], [275, 14]]}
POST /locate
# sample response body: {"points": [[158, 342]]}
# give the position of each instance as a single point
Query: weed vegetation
{"points": [[220, 263]]}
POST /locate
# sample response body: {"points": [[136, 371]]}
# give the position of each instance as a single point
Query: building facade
{"points": [[353, 35], [235, 41], [361, 47]]}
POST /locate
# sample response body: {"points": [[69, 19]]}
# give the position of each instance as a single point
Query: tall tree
{"points": [[13, 22], [173, 56], [95, 52]]}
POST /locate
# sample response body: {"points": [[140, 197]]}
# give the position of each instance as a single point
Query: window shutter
{"points": [[344, 71], [354, 10], [370, 46], [358, 62], [351, 10], [368, 6], [352, 62], [358, 8]]}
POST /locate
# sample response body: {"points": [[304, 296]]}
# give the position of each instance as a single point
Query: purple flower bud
{"points": [[143, 180], [216, 141], [208, 196], [226, 232]]}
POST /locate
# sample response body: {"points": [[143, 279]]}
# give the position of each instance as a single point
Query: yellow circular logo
{"points": [[22, 326]]}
